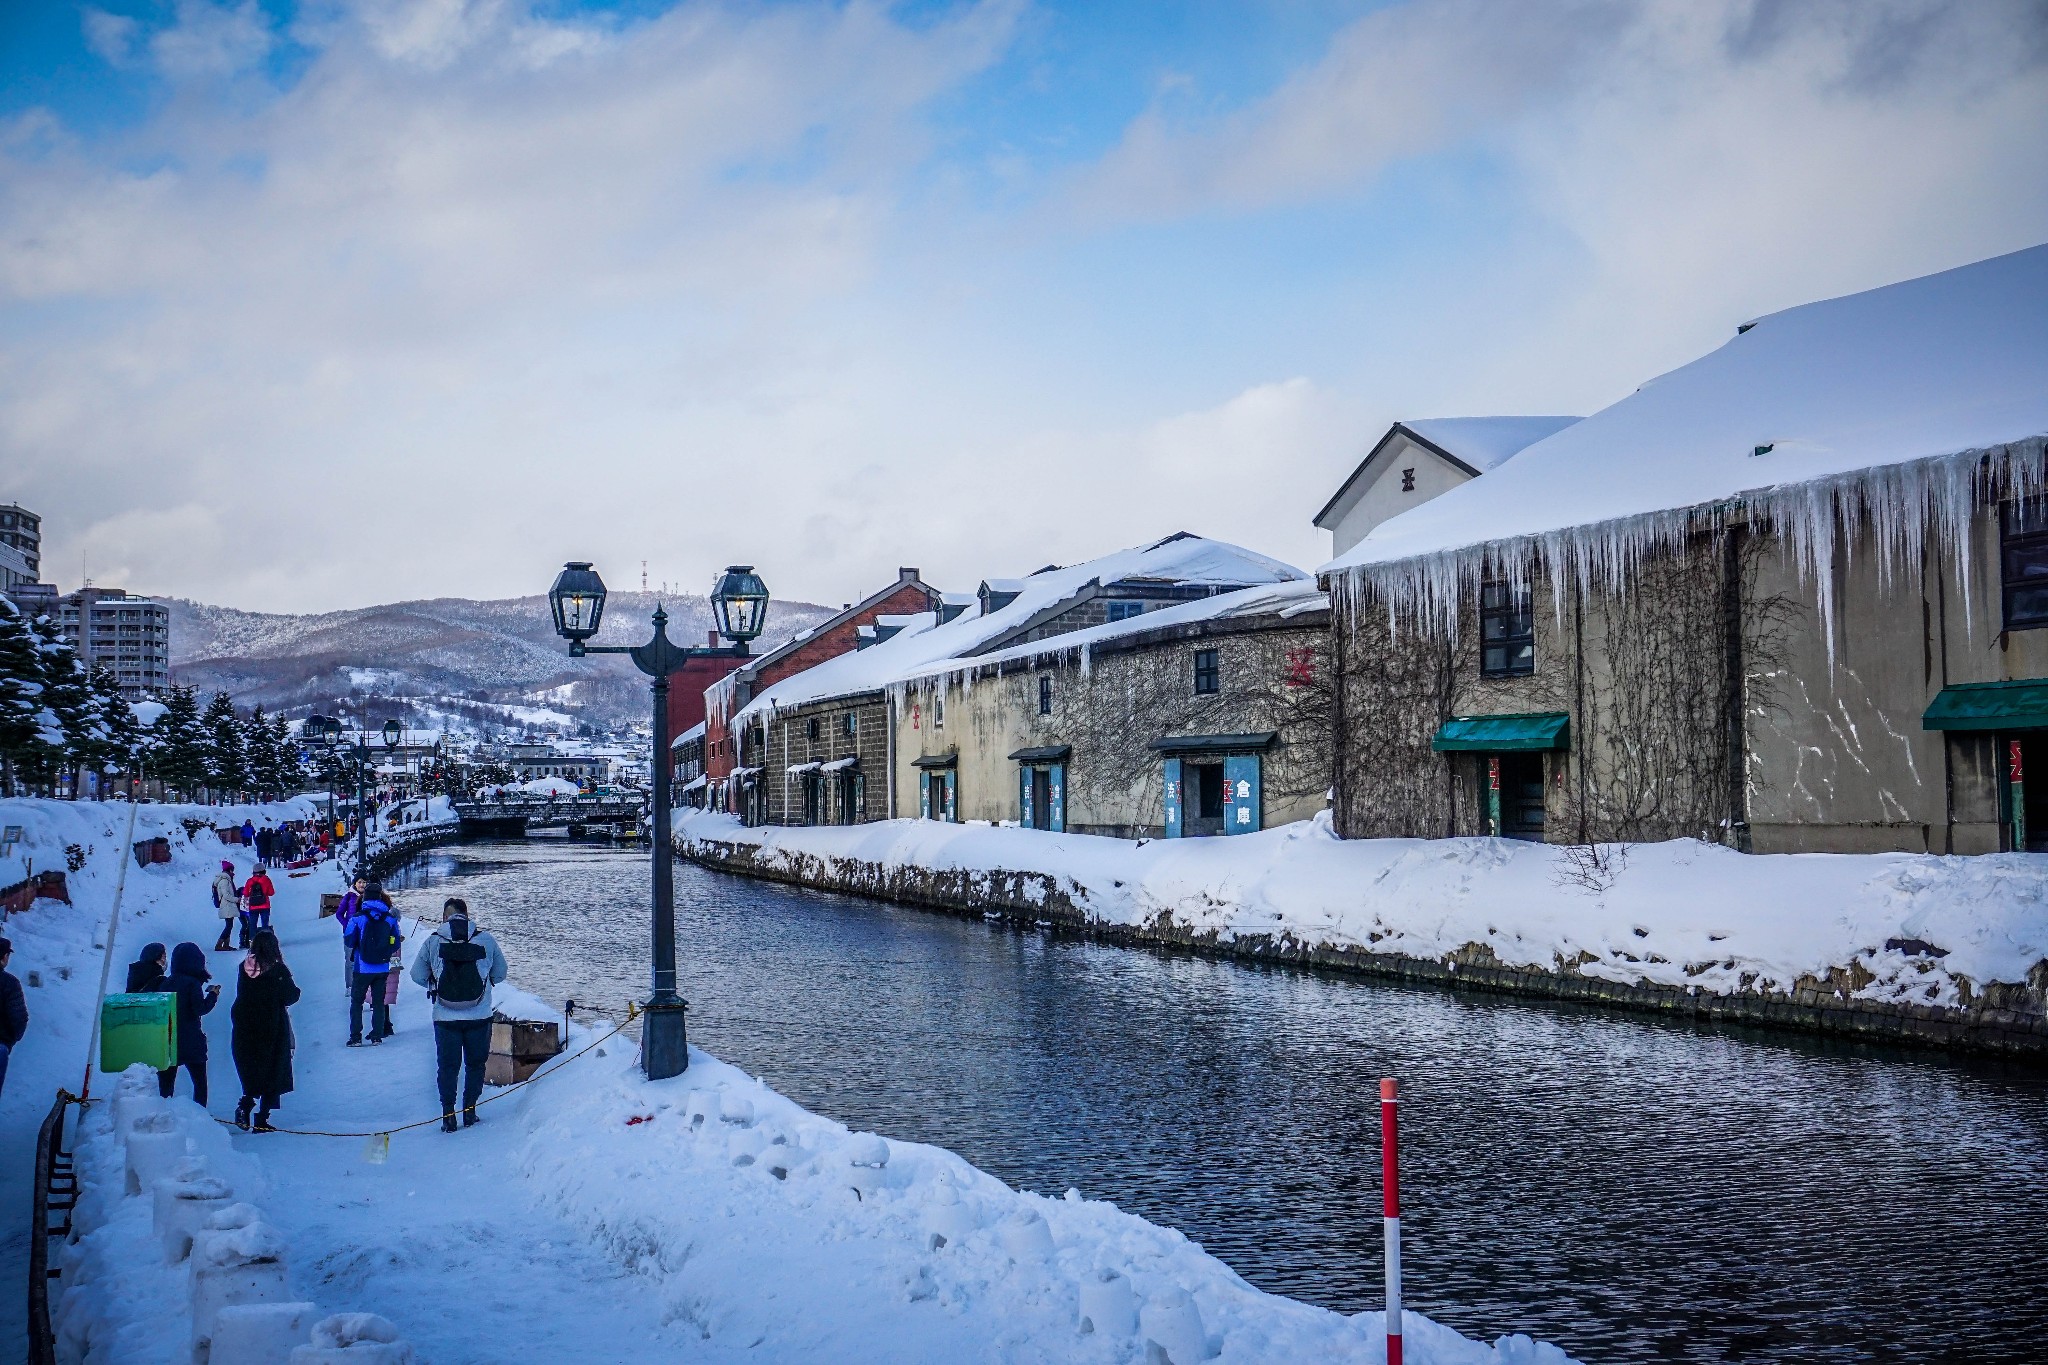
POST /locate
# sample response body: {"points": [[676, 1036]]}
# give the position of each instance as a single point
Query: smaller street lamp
{"points": [[739, 600]]}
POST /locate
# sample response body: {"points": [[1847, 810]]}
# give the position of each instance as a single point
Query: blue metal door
{"points": [[1024, 811], [1173, 798], [924, 795], [1240, 793], [1058, 823]]}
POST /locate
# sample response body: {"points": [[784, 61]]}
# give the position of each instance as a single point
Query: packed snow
{"points": [[1486, 443], [1683, 913], [593, 1216], [1893, 409]]}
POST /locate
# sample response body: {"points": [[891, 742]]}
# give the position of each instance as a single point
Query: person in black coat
{"points": [[13, 1010], [264, 991], [146, 973], [196, 999]]}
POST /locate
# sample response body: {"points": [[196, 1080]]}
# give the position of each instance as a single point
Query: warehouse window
{"points": [[1208, 677], [1507, 631], [2023, 562], [1045, 694]]}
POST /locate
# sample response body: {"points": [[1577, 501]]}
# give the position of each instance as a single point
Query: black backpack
{"points": [[379, 937], [461, 980]]}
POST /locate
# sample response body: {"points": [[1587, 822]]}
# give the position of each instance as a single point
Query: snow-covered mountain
{"points": [[450, 648]]}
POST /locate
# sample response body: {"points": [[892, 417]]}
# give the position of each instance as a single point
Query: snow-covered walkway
{"points": [[595, 1217]]}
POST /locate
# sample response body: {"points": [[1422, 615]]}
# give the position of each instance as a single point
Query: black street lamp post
{"points": [[740, 600], [326, 732]]}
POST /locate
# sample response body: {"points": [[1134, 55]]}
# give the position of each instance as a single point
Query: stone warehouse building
{"points": [[823, 746], [1207, 717], [1792, 596]]}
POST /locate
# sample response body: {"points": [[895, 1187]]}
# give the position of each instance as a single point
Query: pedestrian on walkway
{"points": [[146, 973], [458, 966], [262, 1038], [13, 1010], [256, 894], [227, 903], [196, 999], [249, 833], [344, 915], [373, 942]]}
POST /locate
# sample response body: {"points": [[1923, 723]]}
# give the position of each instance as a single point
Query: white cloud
{"points": [[485, 290], [111, 37]]}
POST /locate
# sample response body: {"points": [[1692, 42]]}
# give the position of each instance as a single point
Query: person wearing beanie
{"points": [[227, 903]]}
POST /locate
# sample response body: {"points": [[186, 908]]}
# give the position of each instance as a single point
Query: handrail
{"points": [[56, 1194]]}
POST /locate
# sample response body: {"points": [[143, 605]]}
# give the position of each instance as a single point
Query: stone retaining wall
{"points": [[2003, 1019]]}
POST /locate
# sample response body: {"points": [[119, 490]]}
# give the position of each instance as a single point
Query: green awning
{"points": [[1504, 734], [2019, 705]]}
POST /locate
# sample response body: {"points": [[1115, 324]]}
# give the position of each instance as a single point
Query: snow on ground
{"points": [[596, 1217], [1683, 913]]}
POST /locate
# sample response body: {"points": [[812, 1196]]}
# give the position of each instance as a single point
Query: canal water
{"points": [[1630, 1189]]}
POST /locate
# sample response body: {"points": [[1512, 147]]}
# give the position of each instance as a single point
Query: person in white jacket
{"points": [[459, 965], [227, 903]]}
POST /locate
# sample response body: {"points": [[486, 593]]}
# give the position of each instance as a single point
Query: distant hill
{"points": [[444, 650]]}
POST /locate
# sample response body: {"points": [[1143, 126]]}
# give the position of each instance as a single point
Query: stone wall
{"points": [[2008, 1020]]}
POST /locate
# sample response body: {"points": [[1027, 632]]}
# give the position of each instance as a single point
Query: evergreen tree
{"points": [[71, 728], [227, 764], [21, 690], [290, 776], [259, 755], [120, 732], [178, 743]]}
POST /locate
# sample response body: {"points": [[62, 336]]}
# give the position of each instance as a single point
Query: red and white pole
{"points": [[1390, 1181]]}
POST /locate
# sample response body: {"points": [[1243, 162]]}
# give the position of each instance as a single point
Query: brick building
{"points": [[723, 695]]}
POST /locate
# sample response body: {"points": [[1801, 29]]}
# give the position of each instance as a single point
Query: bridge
{"points": [[517, 813]]}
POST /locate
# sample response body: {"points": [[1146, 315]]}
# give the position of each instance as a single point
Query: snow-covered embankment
{"points": [[1948, 949], [596, 1217]]}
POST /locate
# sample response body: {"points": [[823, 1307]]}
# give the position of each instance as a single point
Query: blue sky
{"points": [[832, 288]]}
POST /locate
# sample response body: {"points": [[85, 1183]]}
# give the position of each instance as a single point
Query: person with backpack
{"points": [[458, 966], [373, 941], [196, 999], [344, 915], [256, 896], [146, 973], [227, 903], [262, 1038]]}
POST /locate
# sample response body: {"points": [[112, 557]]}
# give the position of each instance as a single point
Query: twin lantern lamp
{"points": [[325, 732], [739, 603]]}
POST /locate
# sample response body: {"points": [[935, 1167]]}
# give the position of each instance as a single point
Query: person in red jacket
{"points": [[256, 894]]}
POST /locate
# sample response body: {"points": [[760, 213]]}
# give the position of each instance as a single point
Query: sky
{"points": [[310, 306]]}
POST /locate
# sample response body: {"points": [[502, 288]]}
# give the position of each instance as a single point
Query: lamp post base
{"points": [[664, 1041]]}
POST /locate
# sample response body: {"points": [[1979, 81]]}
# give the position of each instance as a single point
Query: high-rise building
{"points": [[130, 635], [21, 546]]}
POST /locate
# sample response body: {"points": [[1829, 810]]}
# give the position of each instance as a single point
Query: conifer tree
{"points": [[259, 758], [121, 733], [71, 725], [21, 690], [177, 743], [290, 775], [227, 763]]}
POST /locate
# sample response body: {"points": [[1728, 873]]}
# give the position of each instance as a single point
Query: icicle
{"points": [[1905, 507]]}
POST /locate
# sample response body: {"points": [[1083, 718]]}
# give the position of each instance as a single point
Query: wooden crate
{"points": [[518, 1047], [330, 903]]}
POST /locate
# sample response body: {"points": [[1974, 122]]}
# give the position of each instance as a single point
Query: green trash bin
{"points": [[139, 1028]]}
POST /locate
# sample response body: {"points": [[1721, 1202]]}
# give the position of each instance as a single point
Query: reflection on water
{"points": [[1629, 1189]]}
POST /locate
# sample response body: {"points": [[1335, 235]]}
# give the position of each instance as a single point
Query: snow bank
{"points": [[595, 1216], [1682, 914]]}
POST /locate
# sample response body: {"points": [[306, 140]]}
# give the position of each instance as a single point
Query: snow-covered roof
{"points": [[1846, 405], [695, 732], [840, 765], [1485, 443], [1180, 559], [1287, 599]]}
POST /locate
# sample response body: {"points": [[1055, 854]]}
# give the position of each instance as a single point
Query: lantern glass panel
{"points": [[577, 600], [740, 600]]}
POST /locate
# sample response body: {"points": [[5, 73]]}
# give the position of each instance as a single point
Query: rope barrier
{"points": [[632, 1013]]}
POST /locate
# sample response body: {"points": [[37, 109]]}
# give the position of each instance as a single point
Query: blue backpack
{"points": [[377, 937]]}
